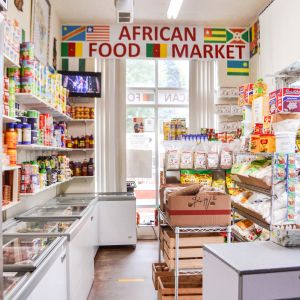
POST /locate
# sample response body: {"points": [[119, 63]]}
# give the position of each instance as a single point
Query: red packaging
{"points": [[258, 128], [288, 100], [272, 103]]}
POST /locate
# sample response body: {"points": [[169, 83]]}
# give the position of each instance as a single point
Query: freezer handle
{"points": [[63, 258]]}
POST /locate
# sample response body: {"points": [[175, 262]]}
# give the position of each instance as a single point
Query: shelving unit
{"points": [[30, 100], [83, 177], [83, 149], [42, 148], [81, 120], [10, 205], [162, 219], [8, 62], [7, 119], [45, 189], [246, 213], [10, 168]]}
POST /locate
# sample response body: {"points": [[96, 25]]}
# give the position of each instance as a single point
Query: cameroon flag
{"points": [[238, 67], [71, 49], [157, 50], [215, 35]]}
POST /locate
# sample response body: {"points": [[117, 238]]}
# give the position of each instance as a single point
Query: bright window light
{"points": [[174, 8]]}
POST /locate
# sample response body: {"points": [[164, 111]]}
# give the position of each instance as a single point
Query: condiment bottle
{"points": [[91, 167], [91, 141], [85, 168]]}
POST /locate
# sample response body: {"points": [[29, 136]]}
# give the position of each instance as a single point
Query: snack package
{"points": [[213, 155], [230, 184], [187, 157], [195, 176], [173, 159], [200, 157], [219, 184]]}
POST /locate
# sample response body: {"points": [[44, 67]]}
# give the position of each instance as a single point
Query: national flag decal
{"points": [[254, 38], [73, 33], [157, 50], [237, 36], [98, 33], [71, 49], [238, 67], [215, 35]]}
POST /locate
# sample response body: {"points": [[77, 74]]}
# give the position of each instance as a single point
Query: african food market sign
{"points": [[145, 41]]}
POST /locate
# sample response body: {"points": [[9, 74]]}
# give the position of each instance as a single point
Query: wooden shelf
{"points": [[32, 101]]}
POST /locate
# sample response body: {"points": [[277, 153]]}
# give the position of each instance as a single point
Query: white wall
{"points": [[279, 37], [229, 81], [24, 19]]}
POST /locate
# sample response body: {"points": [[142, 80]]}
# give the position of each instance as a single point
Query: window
{"points": [[157, 91]]}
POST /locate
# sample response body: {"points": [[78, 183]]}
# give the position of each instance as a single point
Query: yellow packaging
{"points": [[166, 130], [267, 143], [255, 143]]}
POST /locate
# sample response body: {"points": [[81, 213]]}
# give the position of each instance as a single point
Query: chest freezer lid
{"points": [[116, 196], [72, 200], [38, 228], [256, 257], [54, 212], [12, 282], [25, 253]]}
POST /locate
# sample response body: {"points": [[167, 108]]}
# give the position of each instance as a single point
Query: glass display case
{"points": [[12, 281], [25, 253], [38, 228], [54, 213]]}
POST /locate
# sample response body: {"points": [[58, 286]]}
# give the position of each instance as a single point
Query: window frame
{"points": [[156, 107]]}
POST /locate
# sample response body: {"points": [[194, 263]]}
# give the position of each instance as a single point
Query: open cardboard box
{"points": [[203, 209]]}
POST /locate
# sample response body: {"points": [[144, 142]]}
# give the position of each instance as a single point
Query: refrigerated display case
{"points": [[25, 253], [73, 199], [54, 213], [13, 281], [117, 219]]}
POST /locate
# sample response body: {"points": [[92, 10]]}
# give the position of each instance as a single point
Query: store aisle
{"points": [[124, 273]]}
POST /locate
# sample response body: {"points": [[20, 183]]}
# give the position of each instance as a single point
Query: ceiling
{"points": [[197, 12]]}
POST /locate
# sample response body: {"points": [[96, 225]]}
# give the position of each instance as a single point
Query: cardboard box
{"points": [[288, 100], [203, 209], [163, 192], [159, 270]]}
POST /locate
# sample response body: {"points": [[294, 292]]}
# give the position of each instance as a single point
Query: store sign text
{"points": [[139, 41]]}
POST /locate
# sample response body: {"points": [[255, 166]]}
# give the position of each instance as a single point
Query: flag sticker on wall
{"points": [[237, 36], [73, 33], [157, 50], [215, 35], [71, 49], [238, 67], [98, 33]]}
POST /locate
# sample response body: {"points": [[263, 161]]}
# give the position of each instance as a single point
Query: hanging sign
{"points": [[150, 41]]}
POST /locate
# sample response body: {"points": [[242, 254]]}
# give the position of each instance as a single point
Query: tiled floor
{"points": [[125, 273]]}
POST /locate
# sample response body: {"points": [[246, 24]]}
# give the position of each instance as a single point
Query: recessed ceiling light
{"points": [[174, 8]]}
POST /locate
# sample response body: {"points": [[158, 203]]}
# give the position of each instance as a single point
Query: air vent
{"points": [[125, 17], [124, 11]]}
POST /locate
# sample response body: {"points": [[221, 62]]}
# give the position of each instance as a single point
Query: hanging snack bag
{"points": [[200, 157], [187, 157], [213, 155], [173, 159]]}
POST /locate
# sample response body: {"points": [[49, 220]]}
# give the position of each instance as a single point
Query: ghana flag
{"points": [[71, 49], [157, 50], [215, 35], [238, 67]]}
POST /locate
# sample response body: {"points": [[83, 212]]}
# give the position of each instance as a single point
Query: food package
{"points": [[288, 100], [196, 176], [187, 157], [173, 159], [230, 184], [200, 157], [213, 155], [219, 184]]}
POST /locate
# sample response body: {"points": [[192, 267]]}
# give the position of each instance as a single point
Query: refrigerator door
{"points": [[55, 212], [117, 222], [25, 253]]}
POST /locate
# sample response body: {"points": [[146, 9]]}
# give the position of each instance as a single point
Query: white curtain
{"points": [[202, 91], [111, 127]]}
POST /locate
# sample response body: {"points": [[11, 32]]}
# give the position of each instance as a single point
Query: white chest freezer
{"points": [[117, 219]]}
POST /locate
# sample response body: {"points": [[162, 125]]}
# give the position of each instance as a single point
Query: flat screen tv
{"points": [[82, 84]]}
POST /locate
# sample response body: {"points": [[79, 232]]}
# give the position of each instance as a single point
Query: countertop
{"points": [[257, 257]]}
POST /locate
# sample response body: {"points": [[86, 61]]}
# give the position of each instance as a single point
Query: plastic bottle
{"points": [[11, 136], [91, 167]]}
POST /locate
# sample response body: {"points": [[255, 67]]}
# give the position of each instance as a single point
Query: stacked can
{"points": [[30, 177], [33, 121], [14, 73], [27, 68]]}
